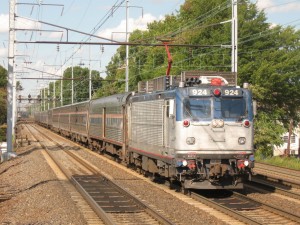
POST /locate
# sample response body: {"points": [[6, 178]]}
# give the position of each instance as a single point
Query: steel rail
{"points": [[262, 185], [270, 208], [224, 209], [106, 217], [278, 169]]}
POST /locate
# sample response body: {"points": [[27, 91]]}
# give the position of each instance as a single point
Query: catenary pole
{"points": [[48, 97], [127, 48], [90, 75], [11, 101], [61, 87], [234, 39], [54, 95], [72, 81]]}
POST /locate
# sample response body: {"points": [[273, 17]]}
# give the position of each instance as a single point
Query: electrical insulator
{"points": [[57, 48], [20, 98]]}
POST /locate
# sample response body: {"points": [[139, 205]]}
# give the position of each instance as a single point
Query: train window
{"points": [[233, 107], [197, 108]]}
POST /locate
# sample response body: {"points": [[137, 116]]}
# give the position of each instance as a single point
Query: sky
{"points": [[91, 16]]}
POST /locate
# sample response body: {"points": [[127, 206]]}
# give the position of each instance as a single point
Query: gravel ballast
{"points": [[32, 194], [35, 195]]}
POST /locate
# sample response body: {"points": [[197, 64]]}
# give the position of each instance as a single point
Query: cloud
{"points": [[118, 33], [272, 6], [4, 18], [22, 23], [3, 52], [56, 35]]}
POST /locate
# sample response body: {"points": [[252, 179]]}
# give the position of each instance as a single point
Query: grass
{"points": [[283, 161]]}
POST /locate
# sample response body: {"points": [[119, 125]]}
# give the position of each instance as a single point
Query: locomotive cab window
{"points": [[197, 108], [233, 107]]}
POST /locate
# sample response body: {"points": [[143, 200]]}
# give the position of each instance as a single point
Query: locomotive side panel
{"points": [[148, 136], [147, 124]]}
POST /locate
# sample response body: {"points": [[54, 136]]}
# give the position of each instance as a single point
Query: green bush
{"points": [[3, 133], [283, 161]]}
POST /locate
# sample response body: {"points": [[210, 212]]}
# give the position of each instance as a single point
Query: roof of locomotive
{"points": [[153, 95]]}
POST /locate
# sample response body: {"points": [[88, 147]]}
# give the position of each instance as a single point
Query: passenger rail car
{"points": [[200, 135]]}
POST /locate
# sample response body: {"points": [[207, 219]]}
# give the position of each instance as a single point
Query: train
{"points": [[193, 129]]}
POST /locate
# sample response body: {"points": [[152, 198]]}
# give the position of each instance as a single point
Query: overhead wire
{"points": [[259, 35], [99, 24], [249, 38]]}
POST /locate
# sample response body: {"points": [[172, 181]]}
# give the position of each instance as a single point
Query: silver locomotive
{"points": [[196, 130]]}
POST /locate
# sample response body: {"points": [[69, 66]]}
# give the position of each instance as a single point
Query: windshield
{"points": [[233, 108], [198, 108]]}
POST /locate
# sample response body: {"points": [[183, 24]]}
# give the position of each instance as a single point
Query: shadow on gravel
{"points": [[6, 169], [15, 192], [40, 183], [36, 185], [58, 148], [76, 148], [29, 151]]}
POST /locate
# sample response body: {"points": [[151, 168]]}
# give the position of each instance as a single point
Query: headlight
{"points": [[217, 123], [246, 163], [190, 140], [184, 163], [242, 140]]}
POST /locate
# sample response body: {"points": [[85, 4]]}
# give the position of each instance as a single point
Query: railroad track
{"points": [[283, 176], [247, 210], [111, 202], [266, 187], [251, 212], [90, 216]]}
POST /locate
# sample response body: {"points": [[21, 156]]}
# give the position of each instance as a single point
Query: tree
{"points": [[80, 84], [19, 86], [268, 58], [3, 105], [3, 77]]}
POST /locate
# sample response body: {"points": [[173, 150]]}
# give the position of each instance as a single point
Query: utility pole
{"points": [[44, 102], [61, 87], [72, 82], [234, 39], [90, 75], [11, 88], [127, 46], [54, 95], [127, 49], [48, 97]]}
